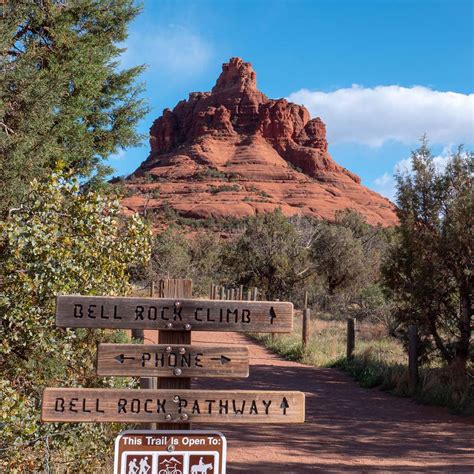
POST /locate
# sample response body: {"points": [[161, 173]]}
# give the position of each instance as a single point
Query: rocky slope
{"points": [[233, 152]]}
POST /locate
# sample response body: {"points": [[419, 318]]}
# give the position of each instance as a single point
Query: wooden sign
{"points": [[173, 314], [172, 361], [165, 452], [172, 406]]}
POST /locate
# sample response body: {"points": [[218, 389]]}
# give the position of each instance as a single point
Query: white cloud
{"points": [[119, 155], [373, 116], [172, 50], [385, 184]]}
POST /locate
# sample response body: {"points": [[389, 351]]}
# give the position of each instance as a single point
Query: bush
{"points": [[60, 241], [225, 188]]}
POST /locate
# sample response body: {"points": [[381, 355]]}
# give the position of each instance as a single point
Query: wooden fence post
{"points": [[412, 356], [255, 294], [241, 292], [351, 322], [249, 295], [175, 289], [306, 320], [222, 293]]}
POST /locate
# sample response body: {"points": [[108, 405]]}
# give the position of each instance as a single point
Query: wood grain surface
{"points": [[177, 406], [173, 314], [178, 361]]}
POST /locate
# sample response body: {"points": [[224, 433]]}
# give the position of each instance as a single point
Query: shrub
{"points": [[225, 188], [61, 241]]}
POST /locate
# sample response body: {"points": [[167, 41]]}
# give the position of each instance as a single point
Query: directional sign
{"points": [[171, 406], [173, 314], [176, 361], [186, 452]]}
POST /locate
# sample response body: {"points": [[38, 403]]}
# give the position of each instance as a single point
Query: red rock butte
{"points": [[233, 152]]}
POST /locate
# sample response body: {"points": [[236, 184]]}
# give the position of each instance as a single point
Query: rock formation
{"points": [[235, 152]]}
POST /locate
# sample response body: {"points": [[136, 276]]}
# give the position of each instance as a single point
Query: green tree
{"points": [[337, 258], [373, 239], [63, 98], [61, 241], [175, 255], [207, 261], [171, 254], [429, 269], [268, 255]]}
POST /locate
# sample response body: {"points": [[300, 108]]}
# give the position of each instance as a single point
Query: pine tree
{"points": [[63, 98]]}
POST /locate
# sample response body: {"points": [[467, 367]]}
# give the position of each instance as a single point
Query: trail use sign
{"points": [[175, 452], [173, 314], [173, 406], [167, 361]]}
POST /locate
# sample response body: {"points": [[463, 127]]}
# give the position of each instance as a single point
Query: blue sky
{"points": [[380, 73]]}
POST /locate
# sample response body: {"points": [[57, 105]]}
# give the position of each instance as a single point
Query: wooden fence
{"points": [[241, 293], [412, 350], [235, 293]]}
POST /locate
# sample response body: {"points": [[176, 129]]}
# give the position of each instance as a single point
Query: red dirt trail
{"points": [[347, 428]]}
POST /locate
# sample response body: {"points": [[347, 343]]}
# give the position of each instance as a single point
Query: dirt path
{"points": [[347, 429]]}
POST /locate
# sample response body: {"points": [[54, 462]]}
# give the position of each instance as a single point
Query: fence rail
{"points": [[234, 293]]}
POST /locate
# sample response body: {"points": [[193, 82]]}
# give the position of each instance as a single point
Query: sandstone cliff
{"points": [[235, 152]]}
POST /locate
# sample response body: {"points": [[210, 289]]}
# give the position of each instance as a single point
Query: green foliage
{"points": [[379, 362], [268, 254], [61, 241], [63, 99], [170, 254], [225, 188], [375, 367], [337, 257], [207, 262], [175, 256], [429, 267]]}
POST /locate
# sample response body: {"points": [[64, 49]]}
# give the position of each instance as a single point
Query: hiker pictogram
{"points": [[138, 464]]}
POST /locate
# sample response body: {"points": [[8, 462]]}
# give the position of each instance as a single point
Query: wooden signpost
{"points": [[176, 406], [174, 360], [173, 314], [164, 360]]}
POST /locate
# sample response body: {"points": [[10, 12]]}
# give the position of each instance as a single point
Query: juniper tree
{"points": [[429, 269], [63, 97]]}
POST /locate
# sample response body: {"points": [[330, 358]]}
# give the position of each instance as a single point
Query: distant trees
{"points": [[63, 99], [429, 269], [269, 255], [61, 241], [174, 255], [338, 262], [171, 256], [338, 258]]}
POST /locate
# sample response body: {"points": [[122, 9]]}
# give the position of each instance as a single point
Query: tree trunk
{"points": [[438, 341], [462, 353]]}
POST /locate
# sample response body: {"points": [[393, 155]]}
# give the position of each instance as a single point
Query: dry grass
{"points": [[379, 361], [327, 345]]}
